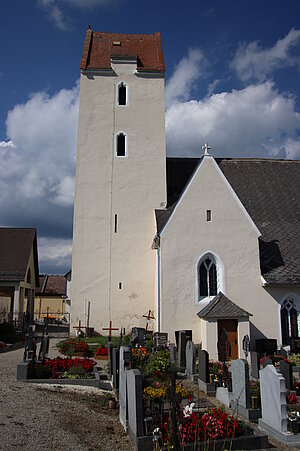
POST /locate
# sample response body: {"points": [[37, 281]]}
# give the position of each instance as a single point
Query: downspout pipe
{"points": [[158, 289]]}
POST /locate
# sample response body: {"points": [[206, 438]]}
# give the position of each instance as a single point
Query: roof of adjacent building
{"points": [[100, 47], [222, 307], [52, 286], [269, 189], [15, 249]]}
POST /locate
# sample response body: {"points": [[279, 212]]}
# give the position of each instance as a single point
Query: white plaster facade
{"points": [[113, 265], [232, 237]]}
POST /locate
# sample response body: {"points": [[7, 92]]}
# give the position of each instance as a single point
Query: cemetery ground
{"points": [[43, 417]]}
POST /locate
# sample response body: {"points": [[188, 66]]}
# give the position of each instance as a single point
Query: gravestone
{"points": [[173, 353], [190, 357], [266, 346], [266, 361], [135, 405], [125, 359], [160, 340], [189, 336], [255, 364], [183, 338], [224, 396], [274, 409], [138, 337], [204, 366], [286, 370], [109, 353], [44, 347], [240, 403], [283, 352], [203, 379], [116, 362]]}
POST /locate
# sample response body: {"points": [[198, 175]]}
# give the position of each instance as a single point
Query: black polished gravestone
{"points": [[266, 346], [160, 340], [189, 336], [203, 366], [115, 367], [138, 337], [183, 338], [255, 364], [266, 361], [286, 370]]}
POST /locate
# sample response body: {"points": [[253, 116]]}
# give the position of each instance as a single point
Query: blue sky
{"points": [[232, 79]]}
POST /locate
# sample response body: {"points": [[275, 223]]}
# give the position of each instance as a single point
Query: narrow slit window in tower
{"points": [[116, 223], [121, 148], [122, 94]]}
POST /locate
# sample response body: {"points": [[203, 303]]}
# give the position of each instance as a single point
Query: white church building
{"points": [[204, 243]]}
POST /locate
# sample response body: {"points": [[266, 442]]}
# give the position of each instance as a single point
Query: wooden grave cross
{"points": [[79, 329], [110, 328], [148, 316]]}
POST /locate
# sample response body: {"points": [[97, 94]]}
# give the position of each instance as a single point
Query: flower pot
{"points": [[101, 357]]}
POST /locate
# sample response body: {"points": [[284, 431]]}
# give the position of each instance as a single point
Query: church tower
{"points": [[120, 179]]}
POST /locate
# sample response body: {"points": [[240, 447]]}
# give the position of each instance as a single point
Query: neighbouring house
{"points": [[207, 244], [50, 298], [18, 274]]}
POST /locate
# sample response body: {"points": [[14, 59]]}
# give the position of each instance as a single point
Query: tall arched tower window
{"points": [[208, 275], [122, 94], [289, 320], [121, 145]]}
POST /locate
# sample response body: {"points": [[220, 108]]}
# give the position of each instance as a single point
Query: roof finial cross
{"points": [[206, 149]]}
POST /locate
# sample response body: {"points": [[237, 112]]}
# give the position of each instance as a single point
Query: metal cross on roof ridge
{"points": [[206, 149]]}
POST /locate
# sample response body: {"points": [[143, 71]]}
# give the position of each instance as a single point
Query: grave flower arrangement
{"points": [[292, 398], [159, 391], [199, 427], [101, 351], [216, 369], [60, 365], [74, 346]]}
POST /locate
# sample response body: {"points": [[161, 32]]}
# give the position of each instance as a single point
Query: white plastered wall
{"points": [[232, 237], [130, 187]]}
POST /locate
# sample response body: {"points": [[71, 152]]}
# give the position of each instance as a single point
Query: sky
{"points": [[232, 80]]}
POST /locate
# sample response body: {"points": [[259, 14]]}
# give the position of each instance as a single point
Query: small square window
{"points": [[208, 215]]}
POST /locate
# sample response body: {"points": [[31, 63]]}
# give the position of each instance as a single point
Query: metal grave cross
{"points": [[110, 328]]}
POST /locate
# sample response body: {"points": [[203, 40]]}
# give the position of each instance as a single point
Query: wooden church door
{"points": [[230, 326]]}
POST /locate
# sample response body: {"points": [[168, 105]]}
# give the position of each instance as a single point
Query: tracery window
{"points": [[289, 321], [208, 282]]}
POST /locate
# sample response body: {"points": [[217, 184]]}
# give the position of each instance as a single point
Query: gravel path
{"points": [[39, 417]]}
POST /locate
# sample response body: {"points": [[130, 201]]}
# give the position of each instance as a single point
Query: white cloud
{"points": [[253, 62], [7, 144], [37, 171], [55, 254], [185, 76], [57, 14], [255, 121]]}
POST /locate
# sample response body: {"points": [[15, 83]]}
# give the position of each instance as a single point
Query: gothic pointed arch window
{"points": [[122, 94], [208, 274], [289, 320]]}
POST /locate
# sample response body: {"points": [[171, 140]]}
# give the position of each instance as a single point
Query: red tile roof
{"points": [[99, 48], [52, 286]]}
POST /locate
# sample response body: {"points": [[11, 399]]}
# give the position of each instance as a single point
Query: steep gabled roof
{"points": [[270, 192], [222, 307], [100, 47], [15, 248], [52, 286]]}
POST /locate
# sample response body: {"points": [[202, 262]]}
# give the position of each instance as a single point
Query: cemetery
{"points": [[173, 394]]}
